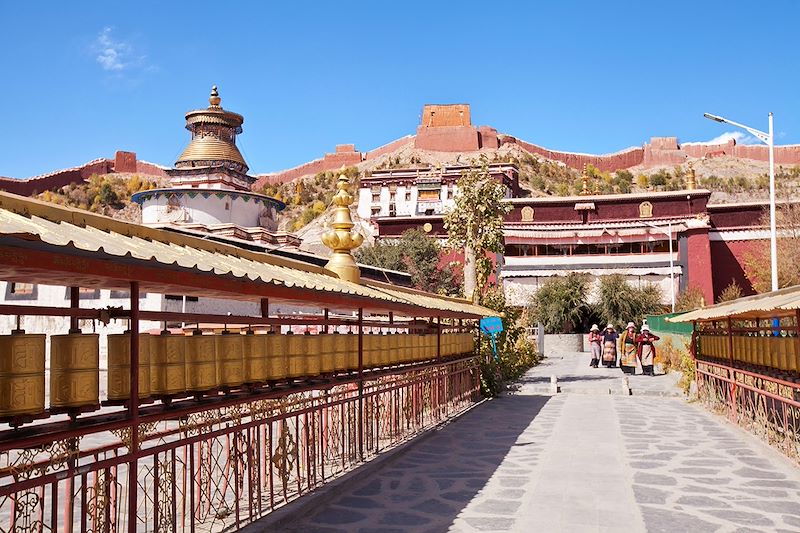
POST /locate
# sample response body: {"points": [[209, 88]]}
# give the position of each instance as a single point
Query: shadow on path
{"points": [[429, 486]]}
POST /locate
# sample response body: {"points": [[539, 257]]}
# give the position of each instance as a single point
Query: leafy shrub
{"points": [[561, 303], [690, 299], [516, 353], [620, 302], [732, 292]]}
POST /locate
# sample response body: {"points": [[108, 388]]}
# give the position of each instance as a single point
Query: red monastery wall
{"points": [[727, 258], [122, 162], [609, 162]]}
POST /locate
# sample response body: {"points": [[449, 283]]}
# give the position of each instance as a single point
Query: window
{"points": [[376, 197], [408, 194], [429, 195], [84, 293], [376, 211], [20, 291], [179, 297]]}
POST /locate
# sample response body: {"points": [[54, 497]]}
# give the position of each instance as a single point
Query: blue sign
{"points": [[492, 325]]}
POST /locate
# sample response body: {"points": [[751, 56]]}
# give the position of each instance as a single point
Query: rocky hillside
{"points": [[106, 194], [730, 180]]}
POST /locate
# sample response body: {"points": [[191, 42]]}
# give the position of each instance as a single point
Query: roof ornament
{"points": [[691, 182], [214, 100], [341, 240], [585, 178]]}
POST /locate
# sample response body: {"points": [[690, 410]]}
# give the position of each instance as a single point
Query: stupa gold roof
{"points": [[214, 133]]}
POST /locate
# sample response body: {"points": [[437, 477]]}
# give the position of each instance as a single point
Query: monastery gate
{"points": [[208, 429]]}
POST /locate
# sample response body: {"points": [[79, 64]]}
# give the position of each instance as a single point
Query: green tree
{"points": [[690, 299], [475, 225], [417, 253], [620, 302], [732, 292], [561, 303]]}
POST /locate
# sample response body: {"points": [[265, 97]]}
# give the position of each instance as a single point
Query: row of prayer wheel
{"points": [[171, 365], [781, 353]]}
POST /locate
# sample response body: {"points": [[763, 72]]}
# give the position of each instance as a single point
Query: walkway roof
{"points": [[780, 303], [45, 243]]}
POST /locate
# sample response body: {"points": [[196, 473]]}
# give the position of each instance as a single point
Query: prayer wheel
{"points": [[373, 350], [255, 357], [201, 362], [230, 359], [167, 364], [277, 359], [384, 355], [119, 366], [341, 352], [781, 349], [395, 348], [313, 354], [75, 370], [408, 347], [352, 351], [295, 351], [327, 353], [22, 358]]}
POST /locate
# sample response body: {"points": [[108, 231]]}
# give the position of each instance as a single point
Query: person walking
{"points": [[595, 345], [629, 349], [610, 337], [647, 350]]}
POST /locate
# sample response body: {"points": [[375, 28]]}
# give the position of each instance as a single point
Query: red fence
{"points": [[221, 466]]}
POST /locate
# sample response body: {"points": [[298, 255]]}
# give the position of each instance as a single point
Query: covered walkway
{"points": [[576, 461]]}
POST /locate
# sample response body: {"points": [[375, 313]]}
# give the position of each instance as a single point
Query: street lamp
{"points": [[769, 140], [668, 233]]}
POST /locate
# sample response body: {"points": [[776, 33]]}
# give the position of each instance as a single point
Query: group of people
{"points": [[632, 346]]}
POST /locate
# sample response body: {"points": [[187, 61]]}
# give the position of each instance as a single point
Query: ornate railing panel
{"points": [[219, 468]]}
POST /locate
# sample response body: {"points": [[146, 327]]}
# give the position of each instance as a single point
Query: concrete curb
{"points": [[305, 505]]}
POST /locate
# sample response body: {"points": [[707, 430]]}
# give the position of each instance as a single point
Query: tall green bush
{"points": [[561, 303], [620, 302]]}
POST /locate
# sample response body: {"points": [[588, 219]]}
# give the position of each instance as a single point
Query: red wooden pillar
{"points": [[133, 410], [361, 383]]}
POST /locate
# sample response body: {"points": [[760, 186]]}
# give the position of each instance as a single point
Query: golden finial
{"points": [[214, 100], [690, 178], [585, 177], [341, 240]]}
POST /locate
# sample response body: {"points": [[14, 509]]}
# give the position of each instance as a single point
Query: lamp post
{"points": [[769, 140], [668, 233]]}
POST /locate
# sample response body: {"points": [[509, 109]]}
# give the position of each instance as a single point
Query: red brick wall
{"points": [[447, 139], [54, 180], [607, 163], [122, 162], [727, 258], [699, 263]]}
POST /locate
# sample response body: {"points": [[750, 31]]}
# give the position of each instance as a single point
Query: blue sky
{"points": [[83, 79]]}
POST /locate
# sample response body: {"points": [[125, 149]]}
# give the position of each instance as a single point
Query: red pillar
{"points": [[699, 263]]}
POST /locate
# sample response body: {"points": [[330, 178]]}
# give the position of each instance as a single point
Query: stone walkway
{"points": [[590, 462]]}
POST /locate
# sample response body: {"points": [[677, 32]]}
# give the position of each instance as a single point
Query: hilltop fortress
{"points": [[449, 128]]}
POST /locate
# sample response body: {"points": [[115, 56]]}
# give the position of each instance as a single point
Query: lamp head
{"points": [[715, 118]]}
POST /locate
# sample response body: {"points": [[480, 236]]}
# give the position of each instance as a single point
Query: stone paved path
{"points": [[575, 462]]}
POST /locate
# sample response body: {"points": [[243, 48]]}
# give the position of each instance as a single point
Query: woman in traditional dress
{"points": [[595, 345], [630, 352], [610, 337], [647, 351]]}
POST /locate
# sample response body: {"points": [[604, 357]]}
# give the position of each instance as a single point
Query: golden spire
{"points": [[340, 239], [690, 178], [214, 100], [585, 177]]}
